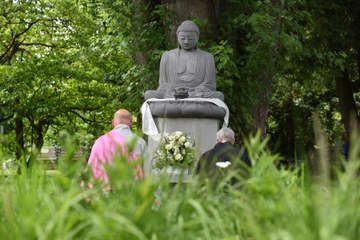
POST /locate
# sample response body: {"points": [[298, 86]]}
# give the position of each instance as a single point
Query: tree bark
{"points": [[188, 9], [19, 132], [137, 19], [39, 139], [347, 105], [261, 112]]}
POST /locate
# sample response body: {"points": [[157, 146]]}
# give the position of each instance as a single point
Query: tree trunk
{"points": [[39, 140], [358, 61], [189, 9], [261, 112], [19, 138], [347, 103], [138, 17]]}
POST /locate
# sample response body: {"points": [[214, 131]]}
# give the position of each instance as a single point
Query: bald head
{"points": [[122, 116]]}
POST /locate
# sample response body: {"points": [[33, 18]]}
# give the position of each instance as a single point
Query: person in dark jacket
{"points": [[223, 158]]}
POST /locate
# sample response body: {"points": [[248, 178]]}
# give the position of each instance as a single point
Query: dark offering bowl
{"points": [[181, 93]]}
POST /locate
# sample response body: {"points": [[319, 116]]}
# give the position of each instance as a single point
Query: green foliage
{"points": [[317, 54], [229, 82], [52, 205], [290, 52], [67, 65], [62, 73]]}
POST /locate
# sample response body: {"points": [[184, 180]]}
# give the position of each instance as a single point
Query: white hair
{"points": [[225, 135]]}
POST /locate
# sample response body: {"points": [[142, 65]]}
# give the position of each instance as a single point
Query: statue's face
{"points": [[187, 40]]}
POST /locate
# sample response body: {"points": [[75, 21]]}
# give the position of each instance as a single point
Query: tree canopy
{"points": [[67, 65]]}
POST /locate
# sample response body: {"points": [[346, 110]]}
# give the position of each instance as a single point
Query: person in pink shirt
{"points": [[115, 143]]}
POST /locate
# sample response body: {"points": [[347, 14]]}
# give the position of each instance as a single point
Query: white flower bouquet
{"points": [[175, 150]]}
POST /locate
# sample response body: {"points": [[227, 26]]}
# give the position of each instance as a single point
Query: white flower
{"points": [[178, 134], [171, 137], [178, 157], [182, 139], [188, 145], [168, 146], [223, 164]]}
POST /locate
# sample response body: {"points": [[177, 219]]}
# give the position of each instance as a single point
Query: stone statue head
{"points": [[187, 35], [188, 26]]}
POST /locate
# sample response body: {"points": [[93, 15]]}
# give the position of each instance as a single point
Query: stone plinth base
{"points": [[203, 130]]}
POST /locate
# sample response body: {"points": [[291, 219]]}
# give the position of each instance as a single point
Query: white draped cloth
{"points": [[148, 124]]}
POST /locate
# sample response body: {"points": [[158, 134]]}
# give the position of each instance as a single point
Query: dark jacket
{"points": [[223, 152]]}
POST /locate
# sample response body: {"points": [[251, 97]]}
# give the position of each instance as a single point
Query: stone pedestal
{"points": [[200, 118], [203, 130]]}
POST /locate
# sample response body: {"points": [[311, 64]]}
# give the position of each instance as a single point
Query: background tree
{"points": [[244, 37], [49, 72], [277, 62], [278, 54], [321, 77]]}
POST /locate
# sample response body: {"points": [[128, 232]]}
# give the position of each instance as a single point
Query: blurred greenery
{"points": [[273, 203]]}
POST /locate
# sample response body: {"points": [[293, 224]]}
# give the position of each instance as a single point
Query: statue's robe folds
{"points": [[202, 84]]}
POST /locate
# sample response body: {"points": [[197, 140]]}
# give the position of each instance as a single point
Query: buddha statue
{"points": [[187, 68]]}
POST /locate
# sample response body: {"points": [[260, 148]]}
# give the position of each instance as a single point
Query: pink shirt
{"points": [[104, 151]]}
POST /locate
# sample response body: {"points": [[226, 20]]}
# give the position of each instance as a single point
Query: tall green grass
{"points": [[271, 204]]}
